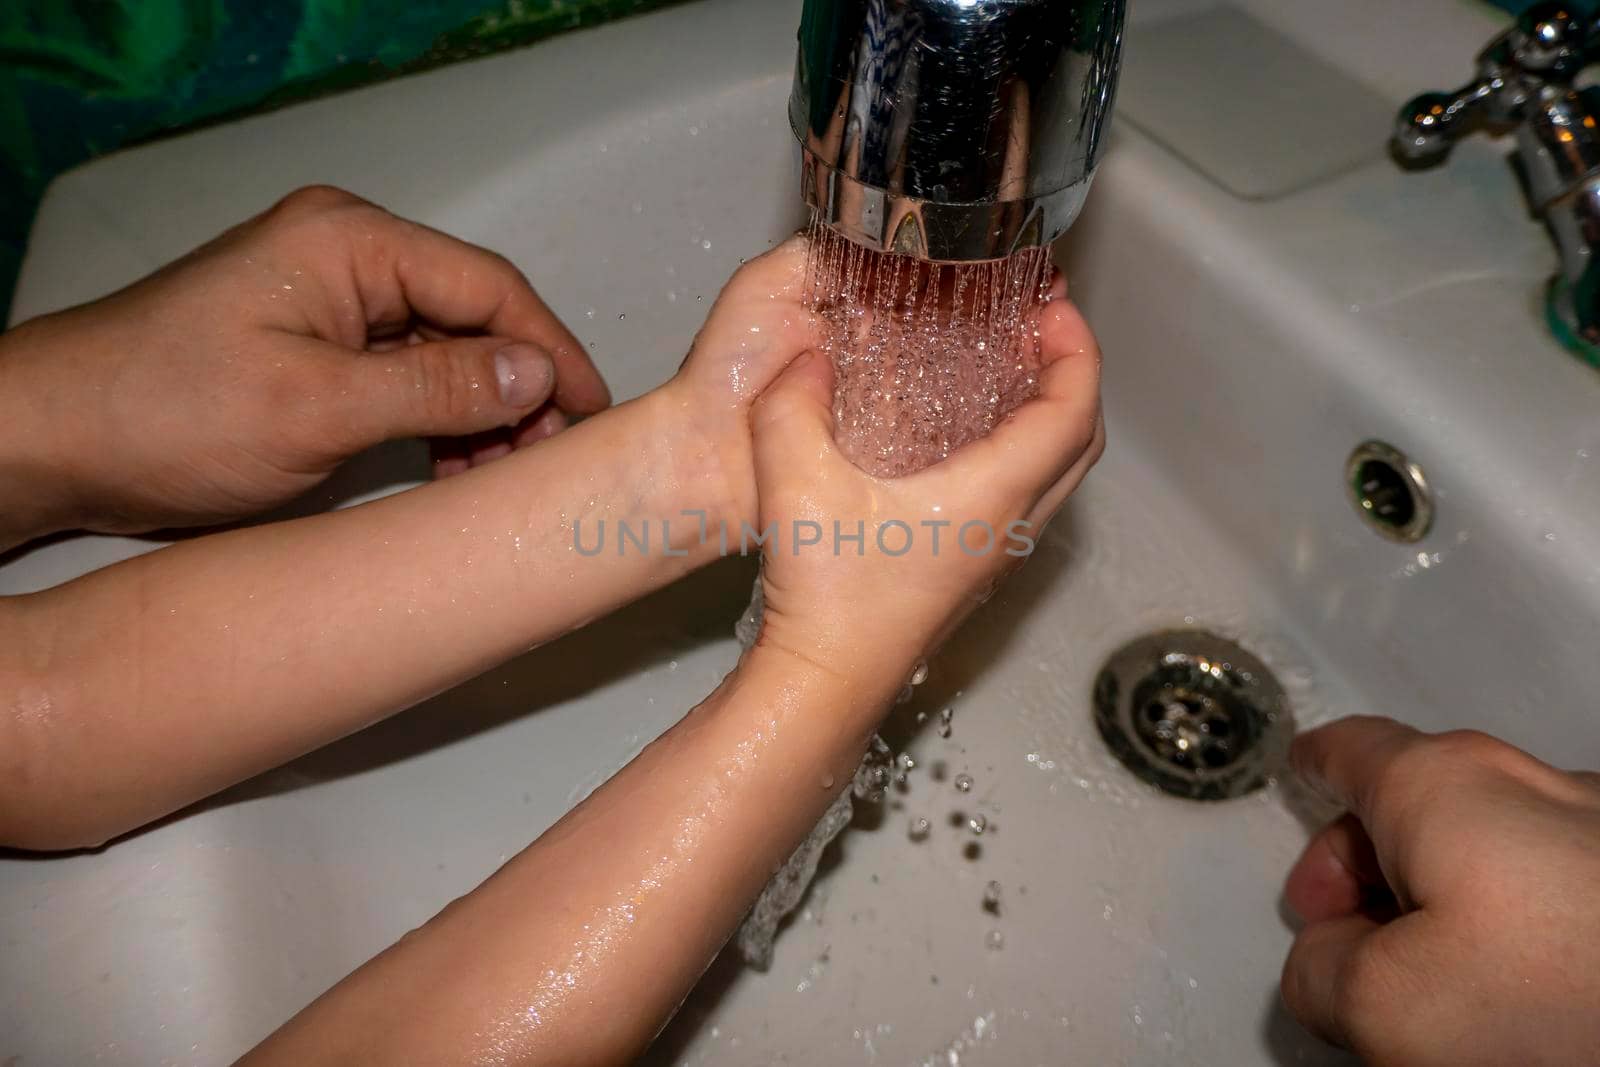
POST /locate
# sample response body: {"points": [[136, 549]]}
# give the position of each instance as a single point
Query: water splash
{"points": [[783, 894]]}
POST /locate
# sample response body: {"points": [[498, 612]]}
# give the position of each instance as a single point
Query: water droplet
{"points": [[995, 940], [944, 721], [706, 244], [920, 673], [977, 824], [963, 783], [827, 781], [919, 829], [991, 898]]}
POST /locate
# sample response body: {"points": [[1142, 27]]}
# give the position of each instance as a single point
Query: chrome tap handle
{"points": [[1546, 49], [1525, 84]]}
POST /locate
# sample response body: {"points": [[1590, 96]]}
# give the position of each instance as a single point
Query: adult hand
{"points": [[244, 373], [932, 544], [1451, 917]]}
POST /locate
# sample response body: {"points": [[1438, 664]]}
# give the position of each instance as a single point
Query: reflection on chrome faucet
{"points": [[953, 131]]}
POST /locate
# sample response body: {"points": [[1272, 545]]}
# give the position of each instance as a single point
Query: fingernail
{"points": [[525, 374], [1058, 283], [549, 424], [446, 468], [490, 453]]}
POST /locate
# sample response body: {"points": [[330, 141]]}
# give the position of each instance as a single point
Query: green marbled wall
{"points": [[82, 77]]}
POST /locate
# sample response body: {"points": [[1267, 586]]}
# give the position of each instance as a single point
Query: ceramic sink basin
{"points": [[1251, 344]]}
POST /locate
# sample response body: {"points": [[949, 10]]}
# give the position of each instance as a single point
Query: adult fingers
{"points": [[1356, 762], [449, 456], [546, 422], [1326, 973], [461, 286], [1336, 875], [444, 388], [402, 270]]}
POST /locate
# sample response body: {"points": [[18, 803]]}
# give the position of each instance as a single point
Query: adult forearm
{"points": [[579, 950], [26, 511], [215, 659], [36, 497]]}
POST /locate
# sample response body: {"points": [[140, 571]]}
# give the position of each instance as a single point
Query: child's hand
{"points": [[241, 375], [933, 544], [757, 326]]}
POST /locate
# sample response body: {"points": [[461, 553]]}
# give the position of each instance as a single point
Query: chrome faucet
{"points": [[953, 130], [1525, 83]]}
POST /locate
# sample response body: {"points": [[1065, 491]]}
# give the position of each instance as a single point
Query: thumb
{"points": [[794, 415], [449, 388], [1320, 976]]}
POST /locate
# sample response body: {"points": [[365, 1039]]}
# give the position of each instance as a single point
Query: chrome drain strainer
{"points": [[1193, 714]]}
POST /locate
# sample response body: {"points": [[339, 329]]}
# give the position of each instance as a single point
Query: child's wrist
{"points": [[713, 460], [858, 687]]}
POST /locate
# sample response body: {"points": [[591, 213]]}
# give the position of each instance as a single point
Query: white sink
{"points": [[1250, 346]]}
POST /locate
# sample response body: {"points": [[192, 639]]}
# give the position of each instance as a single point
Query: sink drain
{"points": [[1193, 714], [1389, 492]]}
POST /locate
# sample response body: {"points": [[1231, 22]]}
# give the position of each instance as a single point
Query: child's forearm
{"points": [[578, 950], [162, 679]]}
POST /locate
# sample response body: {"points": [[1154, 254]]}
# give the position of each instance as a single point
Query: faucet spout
{"points": [[953, 130]]}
